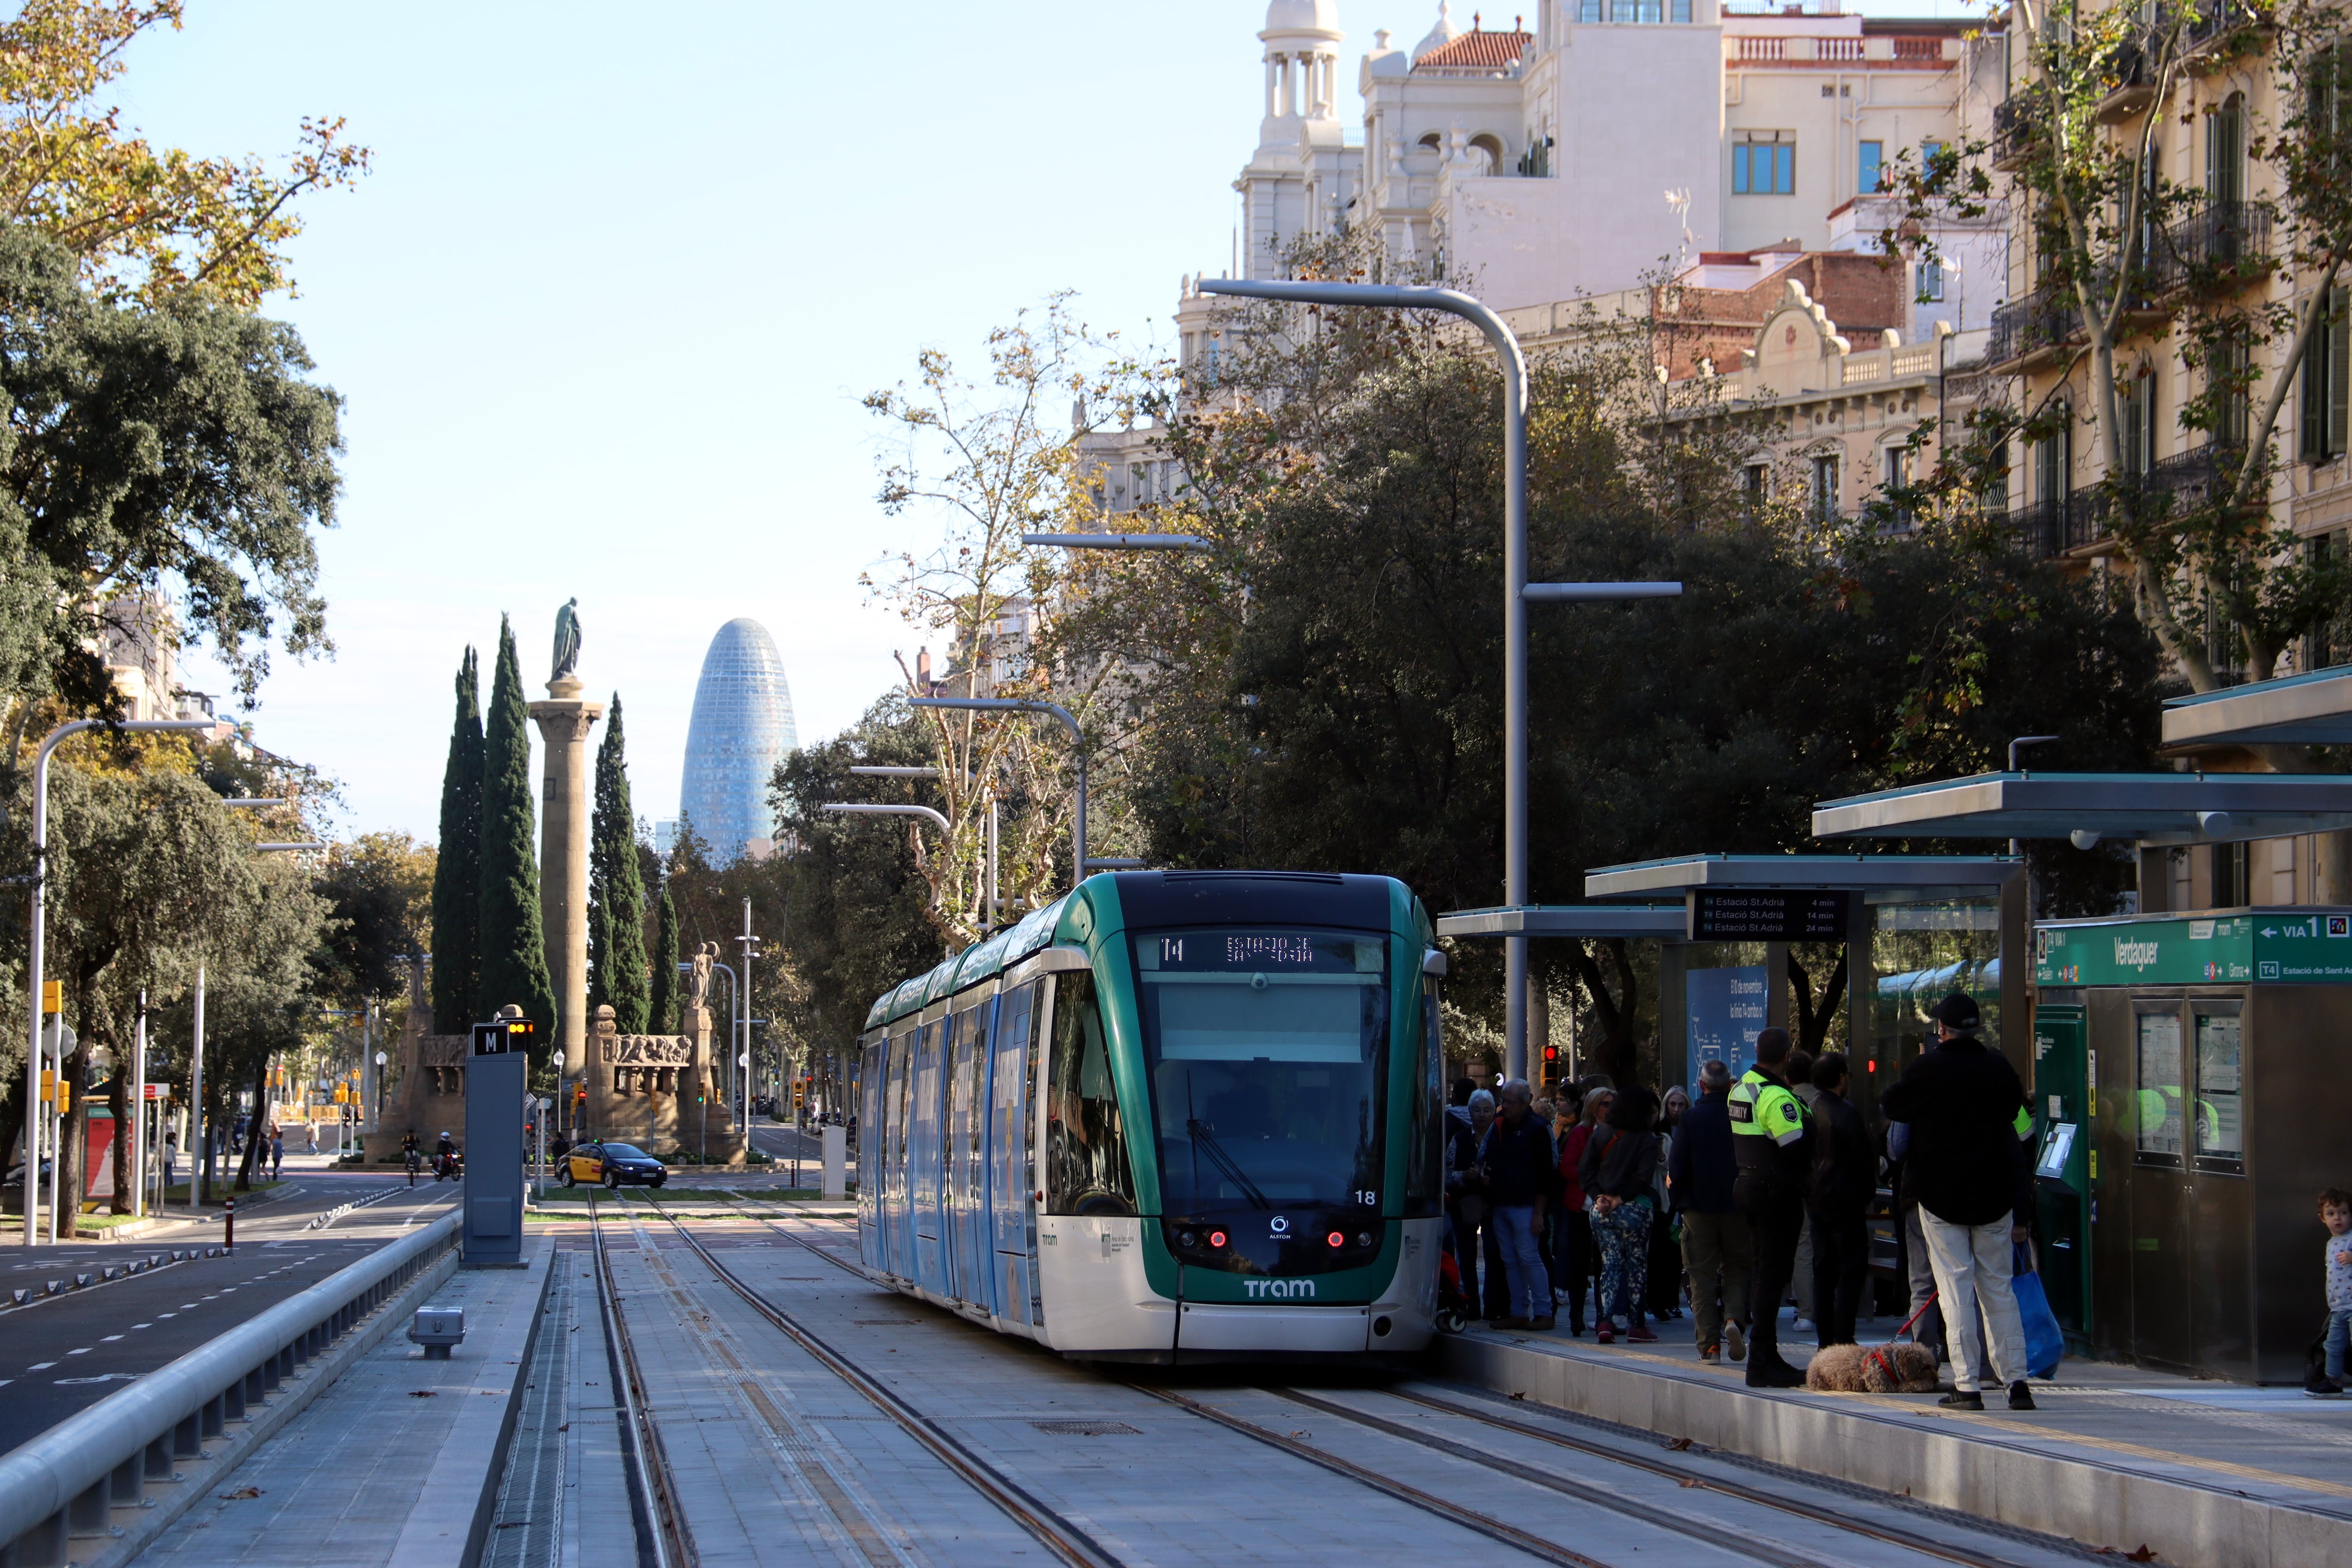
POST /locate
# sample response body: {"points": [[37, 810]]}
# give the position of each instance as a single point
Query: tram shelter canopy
{"points": [[2314, 710], [2154, 809], [1589, 921]]}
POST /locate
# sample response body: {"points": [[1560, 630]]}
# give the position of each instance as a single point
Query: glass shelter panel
{"points": [[2156, 1120], [2220, 1067], [1922, 952]]}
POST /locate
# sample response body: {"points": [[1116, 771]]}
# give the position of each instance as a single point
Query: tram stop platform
{"points": [[401, 1459], [2116, 1457]]}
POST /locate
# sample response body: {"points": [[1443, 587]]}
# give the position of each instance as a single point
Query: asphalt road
{"points": [[63, 1353]]}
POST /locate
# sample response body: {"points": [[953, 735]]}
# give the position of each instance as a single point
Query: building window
{"points": [[1764, 169], [1928, 152], [2136, 407], [1751, 492], [1682, 11], [1931, 281], [2326, 374], [1825, 496], [1870, 168], [2225, 151], [1590, 11], [1897, 462]]}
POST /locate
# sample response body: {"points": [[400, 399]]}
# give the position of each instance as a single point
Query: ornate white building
{"points": [[1598, 143]]}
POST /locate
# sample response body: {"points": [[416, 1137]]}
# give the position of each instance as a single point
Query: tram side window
{"points": [[1086, 1164], [1424, 1171]]}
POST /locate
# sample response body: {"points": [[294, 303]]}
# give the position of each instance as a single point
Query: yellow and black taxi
{"points": [[613, 1164]]}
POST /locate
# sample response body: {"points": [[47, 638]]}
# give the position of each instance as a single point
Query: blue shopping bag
{"points": [[2046, 1345]]}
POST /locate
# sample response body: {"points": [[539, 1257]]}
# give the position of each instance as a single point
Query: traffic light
{"points": [[800, 1093], [1551, 1064]]}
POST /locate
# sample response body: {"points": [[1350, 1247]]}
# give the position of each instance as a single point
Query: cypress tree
{"points": [[616, 897], [663, 1019], [457, 871], [513, 941]]}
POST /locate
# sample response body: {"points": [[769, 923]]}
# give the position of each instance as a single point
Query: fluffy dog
{"points": [[1889, 1369]]}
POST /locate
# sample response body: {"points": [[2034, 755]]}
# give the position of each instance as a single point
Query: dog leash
{"points": [[1882, 1356]]}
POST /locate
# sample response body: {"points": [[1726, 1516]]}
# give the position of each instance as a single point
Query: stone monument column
{"points": [[563, 723]]}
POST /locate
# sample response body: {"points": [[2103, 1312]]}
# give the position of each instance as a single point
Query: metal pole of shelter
{"points": [[1515, 589]]}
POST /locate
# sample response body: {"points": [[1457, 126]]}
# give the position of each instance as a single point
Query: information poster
{"points": [[1726, 1008]]}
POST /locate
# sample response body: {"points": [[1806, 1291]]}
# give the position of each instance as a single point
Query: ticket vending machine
{"points": [[2063, 1205], [492, 1191]]}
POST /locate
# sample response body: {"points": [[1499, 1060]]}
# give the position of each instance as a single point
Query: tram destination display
{"points": [[1769, 914]]}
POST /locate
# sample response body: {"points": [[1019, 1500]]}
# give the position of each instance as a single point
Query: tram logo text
{"points": [[1282, 1290]]}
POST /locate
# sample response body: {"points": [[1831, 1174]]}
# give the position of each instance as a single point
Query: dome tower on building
{"points": [[742, 728]]}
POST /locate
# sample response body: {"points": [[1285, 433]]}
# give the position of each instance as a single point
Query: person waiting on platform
{"points": [[1962, 1101], [1845, 1178], [1701, 1167], [1618, 1173], [1519, 1164], [2335, 1213], [1466, 1193]]}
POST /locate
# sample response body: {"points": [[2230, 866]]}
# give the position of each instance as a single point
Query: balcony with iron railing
{"points": [[2224, 246], [2049, 318], [2017, 128]]}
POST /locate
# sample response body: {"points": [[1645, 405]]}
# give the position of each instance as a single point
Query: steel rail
{"points": [[1428, 1502], [1686, 1475], [653, 1501], [1678, 1473], [1057, 1535], [1709, 1531]]}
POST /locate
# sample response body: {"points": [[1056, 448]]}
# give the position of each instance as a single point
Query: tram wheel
{"points": [[1449, 1321]]}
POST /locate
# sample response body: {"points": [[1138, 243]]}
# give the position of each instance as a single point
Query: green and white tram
{"points": [[1174, 1116]]}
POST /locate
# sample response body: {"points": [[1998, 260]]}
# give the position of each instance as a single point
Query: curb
{"points": [[1995, 1471]]}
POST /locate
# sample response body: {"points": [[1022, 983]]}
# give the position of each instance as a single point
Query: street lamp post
{"points": [[1516, 589], [40, 925], [1077, 737]]}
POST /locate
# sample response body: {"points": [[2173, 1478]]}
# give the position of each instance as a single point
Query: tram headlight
{"points": [[1186, 1238], [1363, 1238]]}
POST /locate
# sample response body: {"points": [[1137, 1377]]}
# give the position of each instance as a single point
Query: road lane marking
{"points": [[40, 1366]]}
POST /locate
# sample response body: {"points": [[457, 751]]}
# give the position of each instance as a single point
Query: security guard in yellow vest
{"points": [[1774, 1143]]}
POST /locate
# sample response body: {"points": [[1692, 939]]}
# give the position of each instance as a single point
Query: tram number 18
{"points": [[1367, 1199]]}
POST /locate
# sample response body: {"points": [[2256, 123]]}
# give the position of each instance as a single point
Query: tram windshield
{"points": [[1266, 1051]]}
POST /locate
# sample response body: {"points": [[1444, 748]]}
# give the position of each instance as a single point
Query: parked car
{"points": [[613, 1164]]}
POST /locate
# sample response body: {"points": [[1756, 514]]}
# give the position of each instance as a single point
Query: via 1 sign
{"points": [[1769, 914]]}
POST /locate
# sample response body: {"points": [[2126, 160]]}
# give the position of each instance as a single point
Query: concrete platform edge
{"points": [[146, 1524], [486, 1507], [1972, 1472]]}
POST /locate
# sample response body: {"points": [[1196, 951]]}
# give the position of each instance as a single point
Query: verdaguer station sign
{"points": [[2294, 946]]}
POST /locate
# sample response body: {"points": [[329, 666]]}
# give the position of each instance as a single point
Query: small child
{"points": [[2335, 1213]]}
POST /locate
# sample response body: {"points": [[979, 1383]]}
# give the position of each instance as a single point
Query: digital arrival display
{"points": [[1769, 914]]}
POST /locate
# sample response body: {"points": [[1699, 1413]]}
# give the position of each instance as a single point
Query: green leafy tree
{"points": [[859, 893], [1323, 691], [378, 889], [513, 941], [458, 874], [142, 220], [177, 453], [617, 899], [662, 1000]]}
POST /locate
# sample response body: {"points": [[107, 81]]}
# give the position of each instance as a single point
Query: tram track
{"points": [[663, 1538], [1690, 1526], [1068, 1542]]}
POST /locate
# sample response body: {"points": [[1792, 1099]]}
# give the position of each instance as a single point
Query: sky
{"points": [[603, 311]]}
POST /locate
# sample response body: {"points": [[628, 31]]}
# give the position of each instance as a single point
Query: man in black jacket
{"points": [[1845, 1177], [1700, 1170], [1963, 1104]]}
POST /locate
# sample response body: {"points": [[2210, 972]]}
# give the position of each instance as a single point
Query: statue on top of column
{"points": [[567, 640], [698, 985]]}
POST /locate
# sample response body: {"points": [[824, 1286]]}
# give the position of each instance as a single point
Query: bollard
{"points": [[229, 1226]]}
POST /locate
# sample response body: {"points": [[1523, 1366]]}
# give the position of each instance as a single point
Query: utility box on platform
{"points": [[836, 1162], [493, 1187]]}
